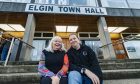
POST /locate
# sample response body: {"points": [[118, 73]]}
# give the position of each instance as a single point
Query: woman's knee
{"points": [[46, 80], [64, 80]]}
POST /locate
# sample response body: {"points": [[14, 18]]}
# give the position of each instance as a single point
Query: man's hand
{"points": [[92, 76]]}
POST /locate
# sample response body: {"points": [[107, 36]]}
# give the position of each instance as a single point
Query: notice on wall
{"points": [[41, 8]]}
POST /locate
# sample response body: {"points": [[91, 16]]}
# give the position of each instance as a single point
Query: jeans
{"points": [[48, 80], [75, 77]]}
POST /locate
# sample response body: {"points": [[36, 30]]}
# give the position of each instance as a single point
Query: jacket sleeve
{"points": [[42, 70], [94, 64], [73, 67], [65, 67]]}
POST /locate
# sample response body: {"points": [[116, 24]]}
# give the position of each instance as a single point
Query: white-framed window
{"points": [[83, 2], [58, 2], [42, 1], [114, 3], [69, 2], [19, 1], [133, 48], [134, 3], [92, 3]]}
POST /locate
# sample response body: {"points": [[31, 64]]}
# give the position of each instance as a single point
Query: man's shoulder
{"points": [[84, 46], [87, 48]]}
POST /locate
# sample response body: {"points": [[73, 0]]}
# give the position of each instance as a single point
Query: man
{"points": [[84, 66]]}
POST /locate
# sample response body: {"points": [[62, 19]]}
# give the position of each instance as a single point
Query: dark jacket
{"points": [[84, 58]]}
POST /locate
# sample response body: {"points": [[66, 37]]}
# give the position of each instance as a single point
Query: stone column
{"points": [[108, 51], [28, 38]]}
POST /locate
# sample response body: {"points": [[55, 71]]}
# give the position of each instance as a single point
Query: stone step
{"points": [[18, 69], [121, 74], [124, 65], [20, 63], [100, 61], [123, 81], [33, 68], [19, 78], [33, 78], [119, 60]]}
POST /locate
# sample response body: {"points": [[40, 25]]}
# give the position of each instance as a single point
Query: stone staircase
{"points": [[114, 72], [121, 71], [19, 73]]}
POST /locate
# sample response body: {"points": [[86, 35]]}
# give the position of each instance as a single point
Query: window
{"points": [[20, 1], [83, 2], [92, 3], [114, 3], [84, 35], [134, 3], [37, 34], [77, 2], [69, 2], [133, 48], [42, 1], [94, 45], [48, 35]]}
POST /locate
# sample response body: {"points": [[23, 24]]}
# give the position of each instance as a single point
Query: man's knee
{"points": [[75, 77], [74, 73]]}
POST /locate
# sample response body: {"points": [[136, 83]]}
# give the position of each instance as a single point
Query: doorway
{"points": [[66, 43]]}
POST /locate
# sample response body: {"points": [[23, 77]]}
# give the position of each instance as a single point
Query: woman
{"points": [[53, 65], [84, 66]]}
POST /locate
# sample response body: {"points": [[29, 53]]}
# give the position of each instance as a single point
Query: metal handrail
{"points": [[116, 42], [19, 40], [10, 48], [9, 51]]}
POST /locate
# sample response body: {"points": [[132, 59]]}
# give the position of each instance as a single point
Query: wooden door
{"points": [[66, 43]]}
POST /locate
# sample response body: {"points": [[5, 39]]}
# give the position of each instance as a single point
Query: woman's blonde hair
{"points": [[50, 48]]}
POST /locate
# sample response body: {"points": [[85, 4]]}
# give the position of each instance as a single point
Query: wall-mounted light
{"points": [[5, 27], [17, 27], [72, 28], [12, 27], [61, 28], [66, 28], [116, 29]]}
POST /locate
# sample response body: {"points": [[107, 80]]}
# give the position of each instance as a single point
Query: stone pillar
{"points": [[28, 38], [108, 51]]}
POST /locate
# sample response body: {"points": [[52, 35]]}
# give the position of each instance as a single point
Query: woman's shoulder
{"points": [[85, 46], [45, 51]]}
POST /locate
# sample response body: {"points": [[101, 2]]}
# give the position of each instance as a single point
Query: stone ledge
{"points": [[121, 74], [119, 60], [115, 66], [19, 78], [18, 69], [33, 68], [34, 77], [103, 61], [123, 81]]}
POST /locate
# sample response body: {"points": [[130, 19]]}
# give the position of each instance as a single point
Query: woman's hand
{"points": [[55, 80], [92, 76]]}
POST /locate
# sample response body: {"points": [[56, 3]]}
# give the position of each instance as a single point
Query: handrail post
{"points": [[8, 55]]}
